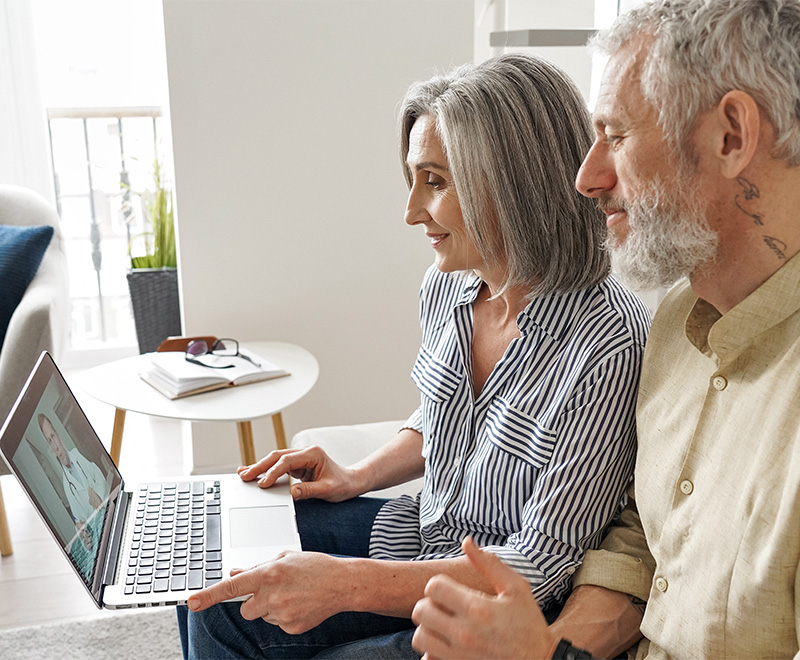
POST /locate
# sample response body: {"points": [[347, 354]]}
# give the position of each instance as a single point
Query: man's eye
{"points": [[612, 140]]}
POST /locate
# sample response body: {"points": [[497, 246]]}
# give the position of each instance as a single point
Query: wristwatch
{"points": [[566, 651]]}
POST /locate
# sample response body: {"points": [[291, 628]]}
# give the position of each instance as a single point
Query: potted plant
{"points": [[153, 275]]}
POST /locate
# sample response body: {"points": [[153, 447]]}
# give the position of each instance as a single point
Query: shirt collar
{"points": [[726, 335], [552, 313], [470, 290]]}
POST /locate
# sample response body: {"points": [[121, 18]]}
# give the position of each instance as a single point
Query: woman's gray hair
{"points": [[515, 130], [703, 49]]}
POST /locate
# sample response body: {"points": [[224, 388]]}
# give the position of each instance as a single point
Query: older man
{"points": [[695, 163]]}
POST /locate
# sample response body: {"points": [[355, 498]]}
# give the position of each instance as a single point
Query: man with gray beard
{"points": [[696, 164]]}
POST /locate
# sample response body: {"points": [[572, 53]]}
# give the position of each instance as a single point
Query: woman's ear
{"points": [[738, 129]]}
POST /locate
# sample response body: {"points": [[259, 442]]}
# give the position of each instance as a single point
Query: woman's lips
{"points": [[436, 239]]}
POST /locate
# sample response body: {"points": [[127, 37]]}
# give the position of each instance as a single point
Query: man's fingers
{"points": [[451, 597], [500, 576], [426, 641], [431, 613], [238, 585]]}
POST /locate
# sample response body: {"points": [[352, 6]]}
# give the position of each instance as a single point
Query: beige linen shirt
{"points": [[717, 480]]}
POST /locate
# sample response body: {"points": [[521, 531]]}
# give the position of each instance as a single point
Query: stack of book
{"points": [[174, 376]]}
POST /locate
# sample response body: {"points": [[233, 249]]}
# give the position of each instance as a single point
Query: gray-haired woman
{"points": [[527, 372]]}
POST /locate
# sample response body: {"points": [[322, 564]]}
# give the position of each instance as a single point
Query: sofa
{"points": [[349, 444]]}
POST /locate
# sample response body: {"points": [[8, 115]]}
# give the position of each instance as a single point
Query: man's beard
{"points": [[668, 235]]}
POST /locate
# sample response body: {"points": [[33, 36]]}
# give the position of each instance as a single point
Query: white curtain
{"points": [[25, 159]]}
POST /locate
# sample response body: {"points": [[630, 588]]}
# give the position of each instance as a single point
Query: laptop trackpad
{"points": [[256, 526]]}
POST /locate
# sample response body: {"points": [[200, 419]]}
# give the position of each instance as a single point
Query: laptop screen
{"points": [[64, 468]]}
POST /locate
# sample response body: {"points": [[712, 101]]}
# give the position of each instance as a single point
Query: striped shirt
{"points": [[535, 467]]}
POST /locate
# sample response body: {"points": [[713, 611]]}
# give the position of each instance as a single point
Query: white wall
{"points": [[289, 191]]}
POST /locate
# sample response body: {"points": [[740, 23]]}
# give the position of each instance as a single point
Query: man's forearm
{"points": [[602, 621]]}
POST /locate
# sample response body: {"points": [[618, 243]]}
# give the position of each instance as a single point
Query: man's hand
{"points": [[457, 622], [296, 590], [321, 476]]}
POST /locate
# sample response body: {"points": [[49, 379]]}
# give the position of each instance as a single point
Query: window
{"points": [[102, 72]]}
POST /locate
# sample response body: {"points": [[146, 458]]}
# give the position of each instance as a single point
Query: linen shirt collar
{"points": [[726, 335]]}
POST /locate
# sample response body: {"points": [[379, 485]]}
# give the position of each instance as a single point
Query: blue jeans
{"points": [[339, 529]]}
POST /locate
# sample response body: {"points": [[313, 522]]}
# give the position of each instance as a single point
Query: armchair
{"points": [[41, 319]]}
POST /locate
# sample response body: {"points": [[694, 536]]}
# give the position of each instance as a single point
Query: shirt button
{"points": [[719, 382], [661, 584], [571, 570], [687, 487]]}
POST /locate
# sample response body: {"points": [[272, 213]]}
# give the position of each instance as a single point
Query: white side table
{"points": [[118, 384]]}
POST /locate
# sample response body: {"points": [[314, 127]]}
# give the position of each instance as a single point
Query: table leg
{"points": [[116, 435], [280, 434], [246, 442], [5, 535]]}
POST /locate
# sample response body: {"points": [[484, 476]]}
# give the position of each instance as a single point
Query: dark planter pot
{"points": [[156, 305]]}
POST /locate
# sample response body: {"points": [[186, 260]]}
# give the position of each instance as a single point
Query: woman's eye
{"points": [[434, 181]]}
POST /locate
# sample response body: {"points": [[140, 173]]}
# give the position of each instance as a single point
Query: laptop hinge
{"points": [[115, 547]]}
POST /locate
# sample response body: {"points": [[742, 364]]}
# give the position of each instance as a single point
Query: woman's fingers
{"points": [[250, 472]]}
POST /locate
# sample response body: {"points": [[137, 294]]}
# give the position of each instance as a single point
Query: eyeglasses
{"points": [[221, 347]]}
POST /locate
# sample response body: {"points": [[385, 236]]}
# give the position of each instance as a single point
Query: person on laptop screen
{"points": [[528, 374], [86, 490]]}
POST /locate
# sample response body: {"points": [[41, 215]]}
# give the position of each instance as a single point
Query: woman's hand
{"points": [[296, 590], [322, 477], [457, 622]]}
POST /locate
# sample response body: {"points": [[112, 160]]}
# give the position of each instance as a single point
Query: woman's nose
{"points": [[415, 208]]}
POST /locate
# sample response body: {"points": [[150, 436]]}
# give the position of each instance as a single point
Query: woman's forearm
{"points": [[392, 588], [398, 461]]}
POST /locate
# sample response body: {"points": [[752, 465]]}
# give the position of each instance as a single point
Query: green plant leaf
{"points": [[160, 250]]}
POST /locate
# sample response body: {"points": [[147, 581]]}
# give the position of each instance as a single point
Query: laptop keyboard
{"points": [[176, 538]]}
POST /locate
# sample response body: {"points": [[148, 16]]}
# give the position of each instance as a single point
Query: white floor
{"points": [[37, 585]]}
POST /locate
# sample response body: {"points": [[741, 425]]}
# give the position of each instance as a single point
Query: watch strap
{"points": [[566, 651]]}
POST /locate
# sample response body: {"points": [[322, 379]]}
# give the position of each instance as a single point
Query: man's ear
{"points": [[738, 126]]}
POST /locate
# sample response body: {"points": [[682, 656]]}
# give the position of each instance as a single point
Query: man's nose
{"points": [[596, 174]]}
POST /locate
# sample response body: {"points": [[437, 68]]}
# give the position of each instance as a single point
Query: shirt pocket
{"points": [[436, 379], [519, 434]]}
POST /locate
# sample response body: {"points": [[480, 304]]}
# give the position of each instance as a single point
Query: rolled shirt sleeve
{"points": [[623, 561]]}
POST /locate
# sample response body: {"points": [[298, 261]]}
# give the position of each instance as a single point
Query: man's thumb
{"points": [[500, 576]]}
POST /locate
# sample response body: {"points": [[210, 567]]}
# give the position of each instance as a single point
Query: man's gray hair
{"points": [[703, 49], [515, 130]]}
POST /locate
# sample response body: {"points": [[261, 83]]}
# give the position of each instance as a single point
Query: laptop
{"points": [[134, 545]]}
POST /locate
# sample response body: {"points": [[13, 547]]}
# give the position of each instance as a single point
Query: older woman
{"points": [[527, 371]]}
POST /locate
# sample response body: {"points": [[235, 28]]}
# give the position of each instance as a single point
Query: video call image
{"points": [[71, 479]]}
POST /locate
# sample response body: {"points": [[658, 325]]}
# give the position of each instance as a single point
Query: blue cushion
{"points": [[21, 252]]}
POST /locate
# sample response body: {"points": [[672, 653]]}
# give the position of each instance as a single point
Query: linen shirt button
{"points": [[687, 487], [661, 584], [571, 570], [719, 383]]}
